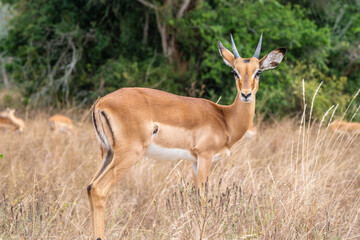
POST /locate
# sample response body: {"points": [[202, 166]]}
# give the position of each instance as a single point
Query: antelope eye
{"points": [[257, 74], [235, 74]]}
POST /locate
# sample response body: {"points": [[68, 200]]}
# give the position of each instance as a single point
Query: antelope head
{"points": [[11, 120], [10, 113], [247, 70]]}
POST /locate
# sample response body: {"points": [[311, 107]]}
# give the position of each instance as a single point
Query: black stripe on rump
{"points": [[94, 120], [107, 161], [108, 123]]}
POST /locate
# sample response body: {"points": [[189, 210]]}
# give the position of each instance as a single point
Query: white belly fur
{"points": [[157, 152]]}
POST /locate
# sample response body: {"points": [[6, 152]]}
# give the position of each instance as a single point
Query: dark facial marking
{"points": [[235, 74]]}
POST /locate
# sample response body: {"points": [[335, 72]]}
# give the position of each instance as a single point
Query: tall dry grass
{"points": [[295, 180]]}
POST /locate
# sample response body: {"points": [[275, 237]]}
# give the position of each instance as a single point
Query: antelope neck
{"points": [[16, 120], [238, 117]]}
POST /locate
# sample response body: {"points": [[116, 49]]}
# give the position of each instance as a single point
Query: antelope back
{"points": [[343, 126], [60, 123]]}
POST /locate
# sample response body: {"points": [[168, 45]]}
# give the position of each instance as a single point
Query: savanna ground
{"points": [[289, 182]]}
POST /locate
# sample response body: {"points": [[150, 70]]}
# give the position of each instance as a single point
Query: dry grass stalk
{"points": [[285, 184]]}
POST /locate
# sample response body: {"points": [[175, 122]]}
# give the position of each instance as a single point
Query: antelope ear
{"points": [[227, 56], [272, 59]]}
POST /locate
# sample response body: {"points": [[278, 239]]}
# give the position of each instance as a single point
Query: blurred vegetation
{"points": [[69, 52]]}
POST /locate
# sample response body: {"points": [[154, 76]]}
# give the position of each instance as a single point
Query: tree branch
{"points": [[184, 6], [146, 28], [146, 3]]}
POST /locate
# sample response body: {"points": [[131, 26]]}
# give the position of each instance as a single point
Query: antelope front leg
{"points": [[201, 170]]}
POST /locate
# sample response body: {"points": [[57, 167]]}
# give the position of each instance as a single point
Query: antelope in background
{"points": [[343, 126], [61, 124], [9, 121], [131, 123]]}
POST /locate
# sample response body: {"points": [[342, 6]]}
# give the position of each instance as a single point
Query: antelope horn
{"points": [[236, 54], [258, 49]]}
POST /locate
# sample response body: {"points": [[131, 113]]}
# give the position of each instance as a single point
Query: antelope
{"points": [[342, 126], [132, 123], [9, 121], [59, 123]]}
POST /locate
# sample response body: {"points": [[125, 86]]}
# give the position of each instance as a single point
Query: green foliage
{"points": [[122, 72], [7, 100], [10, 98], [60, 45], [69, 52], [304, 40], [291, 99], [343, 19]]}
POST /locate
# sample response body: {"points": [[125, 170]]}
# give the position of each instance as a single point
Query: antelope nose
{"points": [[245, 96]]}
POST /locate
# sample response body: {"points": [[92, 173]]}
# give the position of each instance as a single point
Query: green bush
{"points": [[70, 52]]}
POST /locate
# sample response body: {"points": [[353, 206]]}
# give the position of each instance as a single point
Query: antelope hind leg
{"points": [[101, 185]]}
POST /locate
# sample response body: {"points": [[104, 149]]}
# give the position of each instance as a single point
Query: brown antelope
{"points": [[342, 126], [9, 121], [131, 123], [59, 123]]}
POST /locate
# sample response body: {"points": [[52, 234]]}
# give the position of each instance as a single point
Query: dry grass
{"points": [[286, 183]]}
